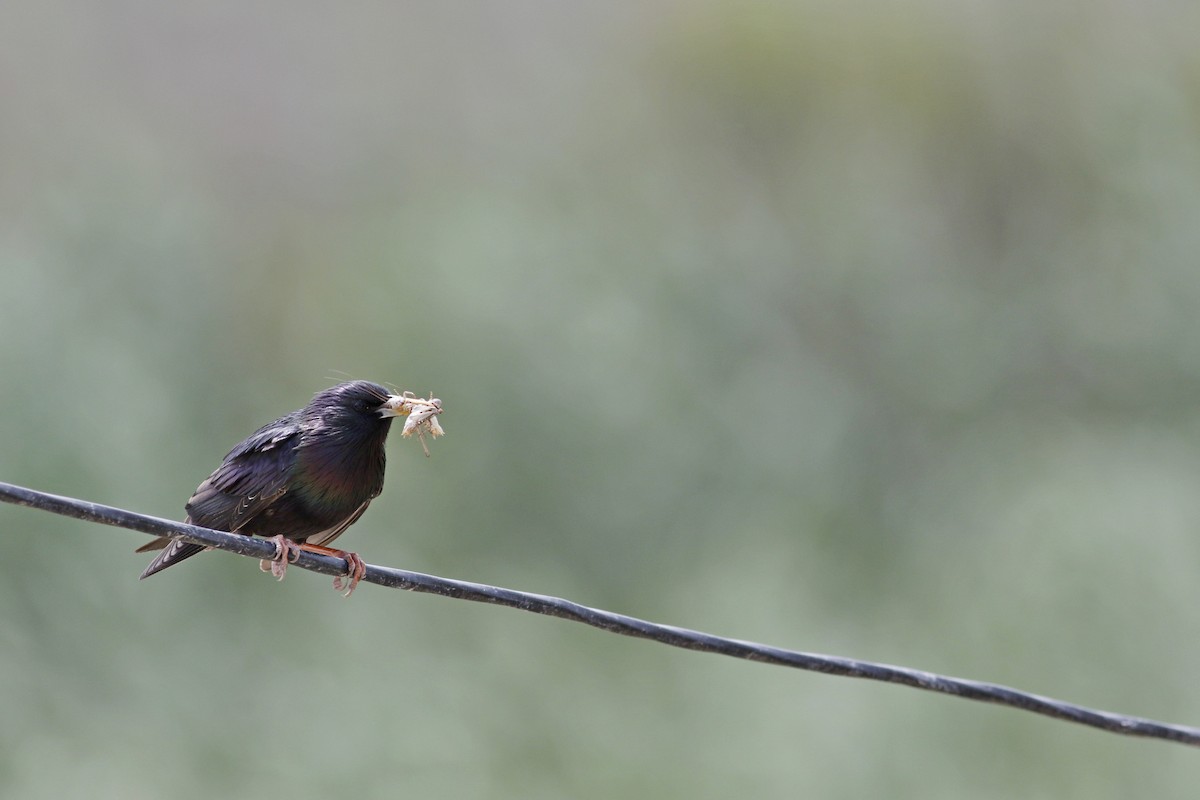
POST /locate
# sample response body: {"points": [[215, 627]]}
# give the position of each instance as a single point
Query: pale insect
{"points": [[422, 417]]}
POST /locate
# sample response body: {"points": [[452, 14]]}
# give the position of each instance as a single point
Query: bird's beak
{"points": [[394, 406]]}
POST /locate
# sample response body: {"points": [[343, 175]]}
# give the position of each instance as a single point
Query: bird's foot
{"points": [[285, 551], [355, 572]]}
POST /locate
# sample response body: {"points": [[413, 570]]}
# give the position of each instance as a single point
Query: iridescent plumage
{"points": [[305, 477]]}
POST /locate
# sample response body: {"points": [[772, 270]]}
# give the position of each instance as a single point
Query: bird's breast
{"points": [[339, 476]]}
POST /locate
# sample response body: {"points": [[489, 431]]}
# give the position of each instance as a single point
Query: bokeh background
{"points": [[862, 328]]}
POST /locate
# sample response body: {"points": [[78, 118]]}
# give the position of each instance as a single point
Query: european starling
{"points": [[302, 480]]}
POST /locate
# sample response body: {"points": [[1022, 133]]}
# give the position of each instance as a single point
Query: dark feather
{"points": [[308, 475]]}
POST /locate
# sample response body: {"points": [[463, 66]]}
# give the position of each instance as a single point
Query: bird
{"points": [[301, 480]]}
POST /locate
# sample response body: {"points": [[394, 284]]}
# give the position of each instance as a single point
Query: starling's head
{"points": [[359, 406]]}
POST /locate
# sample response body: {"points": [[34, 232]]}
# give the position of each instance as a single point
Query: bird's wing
{"points": [[329, 534], [253, 476]]}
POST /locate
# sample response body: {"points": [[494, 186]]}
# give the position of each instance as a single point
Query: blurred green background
{"points": [[870, 329]]}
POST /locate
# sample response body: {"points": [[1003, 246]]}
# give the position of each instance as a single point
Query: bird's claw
{"points": [[356, 571], [286, 551]]}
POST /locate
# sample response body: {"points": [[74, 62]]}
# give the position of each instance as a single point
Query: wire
{"points": [[614, 623]]}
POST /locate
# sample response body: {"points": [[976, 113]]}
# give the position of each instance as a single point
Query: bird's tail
{"points": [[173, 551]]}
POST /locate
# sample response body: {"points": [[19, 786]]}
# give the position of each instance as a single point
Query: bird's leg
{"points": [[356, 567], [285, 550]]}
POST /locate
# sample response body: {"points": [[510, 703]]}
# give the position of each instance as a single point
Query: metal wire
{"points": [[614, 623]]}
